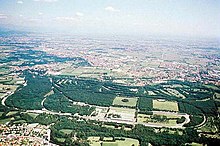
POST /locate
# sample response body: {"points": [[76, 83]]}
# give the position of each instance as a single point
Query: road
{"points": [[44, 110], [118, 120]]}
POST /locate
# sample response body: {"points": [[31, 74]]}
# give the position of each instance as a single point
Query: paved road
{"points": [[44, 110], [119, 121], [5, 97]]}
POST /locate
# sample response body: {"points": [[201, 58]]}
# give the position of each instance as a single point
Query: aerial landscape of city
{"points": [[113, 87]]}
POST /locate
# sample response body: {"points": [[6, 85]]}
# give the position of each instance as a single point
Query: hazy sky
{"points": [[120, 17]]}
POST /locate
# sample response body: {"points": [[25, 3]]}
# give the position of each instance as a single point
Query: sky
{"points": [[193, 18]]}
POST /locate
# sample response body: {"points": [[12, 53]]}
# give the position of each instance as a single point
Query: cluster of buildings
{"points": [[25, 134], [145, 61], [156, 61]]}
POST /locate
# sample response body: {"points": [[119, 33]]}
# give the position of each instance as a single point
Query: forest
{"points": [[59, 103], [30, 96], [84, 129], [95, 92], [34, 57]]}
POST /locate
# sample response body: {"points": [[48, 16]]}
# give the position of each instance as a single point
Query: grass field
{"points": [[3, 121], [33, 115], [93, 72], [60, 139], [1, 113], [19, 122], [95, 141], [2, 94], [128, 102], [196, 144], [143, 118], [119, 127], [165, 105], [11, 113], [66, 131]]}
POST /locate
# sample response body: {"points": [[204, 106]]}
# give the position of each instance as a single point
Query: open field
{"points": [[1, 113], [2, 95], [11, 80], [5, 78], [123, 101], [92, 72], [19, 122], [165, 105], [66, 131], [33, 115], [7, 88], [11, 113], [117, 127], [60, 139], [143, 118], [196, 144], [3, 121], [95, 141]]}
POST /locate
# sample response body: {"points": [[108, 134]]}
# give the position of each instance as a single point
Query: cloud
{"points": [[19, 2], [49, 1], [111, 9], [34, 20], [3, 16], [40, 13], [79, 14], [65, 19], [138, 23], [70, 19]]}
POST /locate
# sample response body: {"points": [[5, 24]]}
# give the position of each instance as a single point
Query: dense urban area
{"points": [[75, 90]]}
